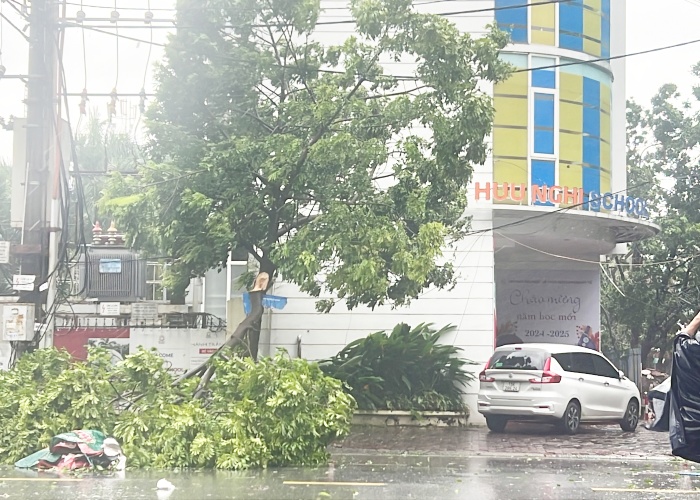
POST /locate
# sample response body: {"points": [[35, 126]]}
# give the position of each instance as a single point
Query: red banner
{"points": [[76, 340]]}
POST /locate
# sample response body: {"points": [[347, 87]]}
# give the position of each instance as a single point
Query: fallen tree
{"points": [[247, 329], [274, 412]]}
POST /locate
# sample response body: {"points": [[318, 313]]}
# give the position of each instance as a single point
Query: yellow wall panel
{"points": [[605, 187], [596, 5], [510, 170], [542, 22], [570, 117], [542, 37], [605, 184], [591, 24], [570, 87], [591, 47], [571, 147], [605, 126], [543, 15], [515, 85], [510, 142], [510, 111], [570, 175], [605, 158], [605, 98]]}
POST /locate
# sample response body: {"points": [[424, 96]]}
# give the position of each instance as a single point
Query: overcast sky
{"points": [[650, 24]]}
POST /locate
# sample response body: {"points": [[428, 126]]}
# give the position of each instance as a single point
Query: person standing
{"points": [[684, 405]]}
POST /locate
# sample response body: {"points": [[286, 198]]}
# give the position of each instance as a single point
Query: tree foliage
{"points": [[322, 162], [279, 411], [101, 150], [655, 287]]}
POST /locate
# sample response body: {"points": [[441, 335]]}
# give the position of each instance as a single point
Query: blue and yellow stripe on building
{"points": [[510, 128], [583, 25], [582, 157]]}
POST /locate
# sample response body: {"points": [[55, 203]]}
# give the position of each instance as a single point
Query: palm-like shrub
{"points": [[407, 369]]}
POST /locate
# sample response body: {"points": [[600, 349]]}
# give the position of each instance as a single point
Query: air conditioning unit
{"points": [[112, 274]]}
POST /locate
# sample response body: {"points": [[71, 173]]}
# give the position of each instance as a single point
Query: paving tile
{"points": [[520, 439]]}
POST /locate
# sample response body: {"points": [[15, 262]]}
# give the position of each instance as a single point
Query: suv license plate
{"points": [[511, 387]]}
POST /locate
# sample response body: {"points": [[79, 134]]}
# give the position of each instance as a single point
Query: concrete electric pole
{"points": [[41, 132]]}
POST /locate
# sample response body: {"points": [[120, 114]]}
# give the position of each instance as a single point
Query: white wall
{"points": [[469, 307], [618, 120]]}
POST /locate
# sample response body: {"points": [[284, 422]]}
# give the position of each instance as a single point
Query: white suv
{"points": [[562, 384]]}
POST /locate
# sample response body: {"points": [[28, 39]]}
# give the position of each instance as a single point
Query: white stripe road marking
{"points": [[51, 479], [644, 490], [331, 483]]}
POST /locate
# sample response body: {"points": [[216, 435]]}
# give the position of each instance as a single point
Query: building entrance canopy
{"points": [[570, 233]]}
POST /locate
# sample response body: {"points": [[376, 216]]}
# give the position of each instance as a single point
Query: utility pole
{"points": [[41, 130]]}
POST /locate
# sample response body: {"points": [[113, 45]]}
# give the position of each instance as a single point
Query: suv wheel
{"points": [[631, 419], [496, 423], [572, 418]]}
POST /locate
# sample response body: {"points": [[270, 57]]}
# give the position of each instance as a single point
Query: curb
{"points": [[372, 455]]}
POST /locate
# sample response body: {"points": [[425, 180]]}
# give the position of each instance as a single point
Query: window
{"points": [[542, 174], [543, 75], [603, 368], [512, 20], [544, 124], [591, 135], [154, 281], [605, 29], [565, 361], [583, 363], [518, 359], [571, 25]]}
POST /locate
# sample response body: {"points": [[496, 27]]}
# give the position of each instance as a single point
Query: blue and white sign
{"points": [[269, 301]]}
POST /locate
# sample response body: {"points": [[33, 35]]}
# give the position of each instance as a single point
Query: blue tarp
{"points": [[269, 301]]}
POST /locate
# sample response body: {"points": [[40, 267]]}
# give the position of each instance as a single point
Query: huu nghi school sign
{"points": [[557, 195]]}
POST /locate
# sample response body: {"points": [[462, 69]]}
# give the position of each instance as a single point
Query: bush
{"points": [[275, 412], [405, 370]]}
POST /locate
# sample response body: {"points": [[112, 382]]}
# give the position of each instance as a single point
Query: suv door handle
{"points": [[607, 384], [580, 379]]}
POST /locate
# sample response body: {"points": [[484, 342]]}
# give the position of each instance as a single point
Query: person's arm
{"points": [[692, 327]]}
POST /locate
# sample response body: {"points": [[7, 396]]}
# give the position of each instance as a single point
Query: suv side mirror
{"points": [[621, 374]]}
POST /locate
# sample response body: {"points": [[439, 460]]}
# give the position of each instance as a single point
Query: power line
{"points": [[597, 262], [344, 21], [118, 35], [17, 29], [407, 77], [107, 7], [611, 58], [441, 14]]}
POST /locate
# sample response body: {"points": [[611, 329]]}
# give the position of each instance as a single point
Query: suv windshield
{"points": [[518, 359]]}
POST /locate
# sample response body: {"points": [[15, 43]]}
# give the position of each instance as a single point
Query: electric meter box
{"points": [[18, 322]]}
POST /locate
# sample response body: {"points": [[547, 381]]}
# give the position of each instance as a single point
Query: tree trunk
{"points": [[635, 334], [252, 339], [206, 369]]}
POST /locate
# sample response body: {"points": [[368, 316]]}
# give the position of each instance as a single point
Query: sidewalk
{"points": [[522, 440]]}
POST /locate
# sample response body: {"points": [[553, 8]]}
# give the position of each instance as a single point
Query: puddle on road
{"points": [[480, 478]]}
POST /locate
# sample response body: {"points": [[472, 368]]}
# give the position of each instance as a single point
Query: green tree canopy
{"points": [[656, 286], [101, 150], [326, 167]]}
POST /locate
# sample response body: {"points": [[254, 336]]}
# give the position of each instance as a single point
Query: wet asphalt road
{"points": [[386, 477], [527, 462]]}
